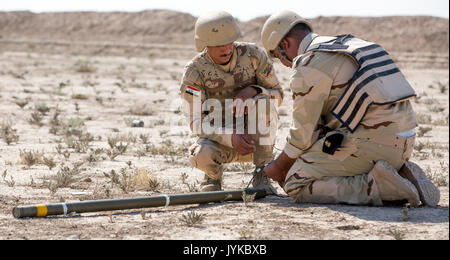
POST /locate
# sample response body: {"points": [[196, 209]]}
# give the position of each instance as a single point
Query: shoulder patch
{"points": [[267, 69], [190, 90]]}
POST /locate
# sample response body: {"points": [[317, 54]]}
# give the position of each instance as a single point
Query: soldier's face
{"points": [[221, 54], [283, 60], [289, 46]]}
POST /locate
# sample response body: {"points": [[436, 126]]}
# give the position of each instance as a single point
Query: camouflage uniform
{"points": [[385, 132], [204, 80]]}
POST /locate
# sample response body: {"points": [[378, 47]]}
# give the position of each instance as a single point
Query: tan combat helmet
{"points": [[215, 28], [277, 26]]}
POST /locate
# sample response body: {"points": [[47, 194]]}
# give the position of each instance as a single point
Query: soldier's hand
{"points": [[239, 106], [278, 168], [243, 144], [246, 93], [273, 171]]}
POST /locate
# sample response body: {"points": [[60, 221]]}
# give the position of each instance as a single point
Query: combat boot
{"points": [[393, 187], [428, 192], [210, 184]]}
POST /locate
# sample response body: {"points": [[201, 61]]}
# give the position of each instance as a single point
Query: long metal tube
{"points": [[42, 210]]}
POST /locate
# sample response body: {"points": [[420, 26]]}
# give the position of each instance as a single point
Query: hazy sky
{"points": [[244, 9]]}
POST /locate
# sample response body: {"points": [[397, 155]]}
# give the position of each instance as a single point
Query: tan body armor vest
{"points": [[378, 81]]}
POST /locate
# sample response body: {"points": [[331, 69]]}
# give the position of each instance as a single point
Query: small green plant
{"points": [[112, 141], [36, 119], [423, 130], [430, 101], [94, 155], [419, 146], [9, 182], [443, 88], [60, 150], [144, 138], [193, 187], [424, 119], [49, 162], [245, 233], [440, 178], [397, 234], [141, 152], [183, 177], [55, 123], [192, 218], [66, 176], [248, 198], [80, 142], [113, 176], [154, 184], [436, 109], [42, 108], [116, 151], [132, 179], [162, 133]]}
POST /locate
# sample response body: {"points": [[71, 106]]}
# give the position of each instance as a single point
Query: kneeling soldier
{"points": [[353, 124], [231, 90]]}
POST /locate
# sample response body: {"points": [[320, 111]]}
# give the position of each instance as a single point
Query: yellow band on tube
{"points": [[41, 210]]}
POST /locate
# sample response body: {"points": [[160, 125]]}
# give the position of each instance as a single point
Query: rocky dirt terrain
{"points": [[72, 83]]}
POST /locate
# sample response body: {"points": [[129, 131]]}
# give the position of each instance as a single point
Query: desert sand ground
{"points": [[66, 136]]}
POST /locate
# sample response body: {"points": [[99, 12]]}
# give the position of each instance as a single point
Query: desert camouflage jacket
{"points": [[319, 81], [204, 80]]}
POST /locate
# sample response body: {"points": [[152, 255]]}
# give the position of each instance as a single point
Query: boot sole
{"points": [[428, 192], [387, 175]]}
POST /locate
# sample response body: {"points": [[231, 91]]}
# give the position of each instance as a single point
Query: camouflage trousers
{"points": [[210, 156], [344, 177]]}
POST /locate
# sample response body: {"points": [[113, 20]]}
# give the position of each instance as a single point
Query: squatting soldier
{"points": [[353, 124], [226, 75]]}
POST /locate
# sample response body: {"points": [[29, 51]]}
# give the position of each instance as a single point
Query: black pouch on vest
{"points": [[332, 142]]}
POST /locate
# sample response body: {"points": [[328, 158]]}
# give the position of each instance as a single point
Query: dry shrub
{"points": [[8, 133], [84, 67], [80, 97], [30, 158], [192, 218], [66, 176], [49, 162], [134, 179], [36, 118], [142, 110], [248, 198], [42, 108], [22, 103]]}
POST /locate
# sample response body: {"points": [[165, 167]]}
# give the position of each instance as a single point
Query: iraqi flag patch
{"points": [[190, 90], [267, 69]]}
